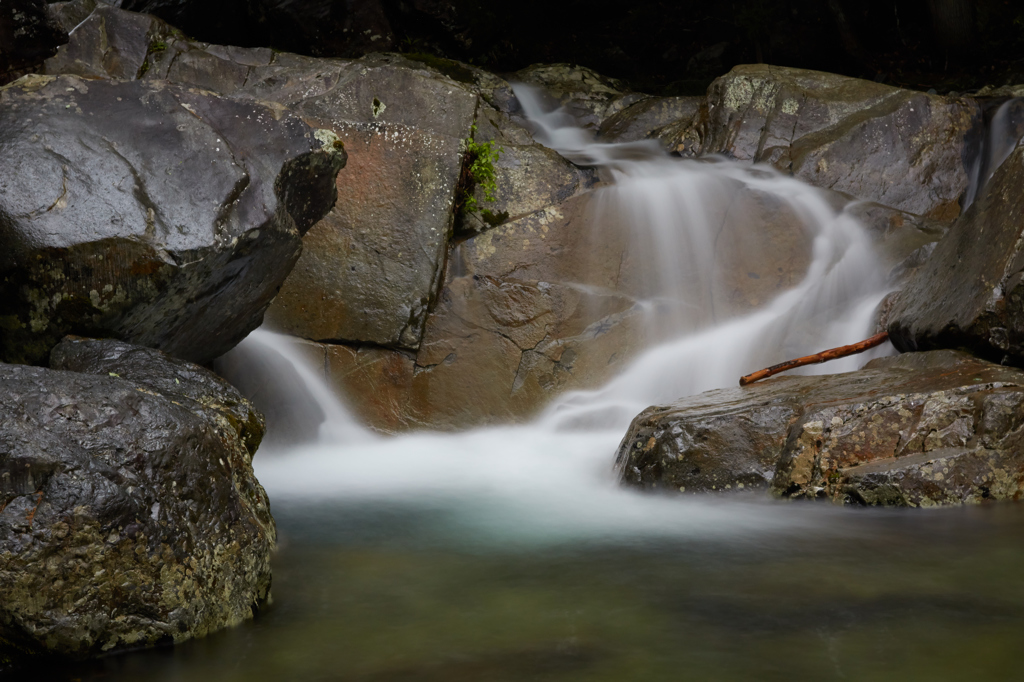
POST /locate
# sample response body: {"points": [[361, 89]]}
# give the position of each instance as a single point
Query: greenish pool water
{"points": [[401, 593]]}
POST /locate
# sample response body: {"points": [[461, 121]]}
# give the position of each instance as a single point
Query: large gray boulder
{"points": [[920, 429], [129, 513], [899, 148], [969, 294], [156, 213]]}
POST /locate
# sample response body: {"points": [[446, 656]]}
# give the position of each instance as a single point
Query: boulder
{"points": [[371, 268], [647, 118], [129, 513], [920, 429], [899, 148], [159, 214], [28, 35], [969, 294]]}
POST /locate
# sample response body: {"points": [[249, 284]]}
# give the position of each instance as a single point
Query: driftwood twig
{"points": [[823, 356]]}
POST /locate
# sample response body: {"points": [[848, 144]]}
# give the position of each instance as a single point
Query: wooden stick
{"points": [[823, 356]]}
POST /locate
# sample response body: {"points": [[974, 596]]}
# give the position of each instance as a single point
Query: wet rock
{"points": [[371, 267], [647, 117], [159, 214], [129, 513], [899, 148], [106, 42], [920, 429], [586, 95], [528, 176], [28, 35], [969, 292], [494, 351]]}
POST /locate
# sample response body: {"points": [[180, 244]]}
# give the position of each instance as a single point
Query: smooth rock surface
{"points": [[129, 513], [900, 148], [920, 429], [969, 293], [159, 214]]}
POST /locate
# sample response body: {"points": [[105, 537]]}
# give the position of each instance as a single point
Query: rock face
{"points": [[159, 214], [372, 267], [969, 293], [129, 514], [899, 148], [920, 429]]}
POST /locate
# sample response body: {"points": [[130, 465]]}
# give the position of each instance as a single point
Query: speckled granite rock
{"points": [[129, 513], [920, 429]]}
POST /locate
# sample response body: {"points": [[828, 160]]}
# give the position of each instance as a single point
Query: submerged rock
{"points": [[129, 513], [919, 429], [969, 293], [900, 148], [159, 214]]}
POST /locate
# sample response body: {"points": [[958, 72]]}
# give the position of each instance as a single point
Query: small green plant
{"points": [[478, 171]]}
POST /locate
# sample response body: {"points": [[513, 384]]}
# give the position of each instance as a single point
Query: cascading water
{"points": [[552, 479], [1005, 131]]}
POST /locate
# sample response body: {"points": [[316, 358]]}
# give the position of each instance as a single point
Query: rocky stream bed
{"points": [[162, 197]]}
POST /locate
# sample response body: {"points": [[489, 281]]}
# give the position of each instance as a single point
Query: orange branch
{"points": [[823, 356]]}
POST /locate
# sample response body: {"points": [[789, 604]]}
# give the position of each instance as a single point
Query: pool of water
{"points": [[416, 593]]}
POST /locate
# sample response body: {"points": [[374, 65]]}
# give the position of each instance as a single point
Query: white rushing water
{"points": [[552, 480]]}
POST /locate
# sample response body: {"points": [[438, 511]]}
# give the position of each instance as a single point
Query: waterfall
{"points": [[552, 478], [1005, 131]]}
